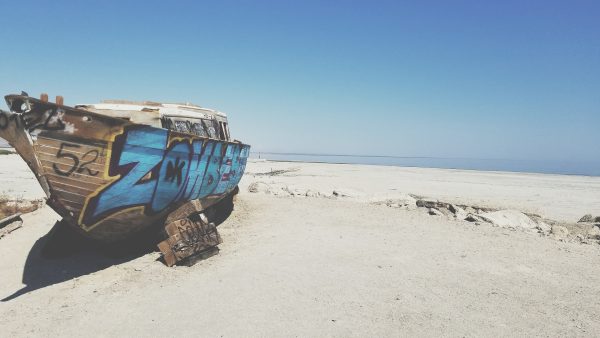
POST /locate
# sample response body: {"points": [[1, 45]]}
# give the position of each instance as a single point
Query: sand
{"points": [[326, 265]]}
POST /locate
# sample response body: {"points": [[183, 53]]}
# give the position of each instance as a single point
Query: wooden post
{"points": [[44, 97], [60, 100]]}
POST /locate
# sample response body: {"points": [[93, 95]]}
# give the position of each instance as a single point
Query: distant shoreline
{"points": [[571, 168], [416, 167]]}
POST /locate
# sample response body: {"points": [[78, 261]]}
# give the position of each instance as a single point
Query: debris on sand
{"points": [[434, 212], [284, 190], [275, 172], [405, 202], [586, 218], [560, 232], [11, 210], [259, 187], [10, 224], [589, 219], [13, 205], [584, 231]]}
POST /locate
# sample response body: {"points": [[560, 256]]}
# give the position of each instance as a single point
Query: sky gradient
{"points": [[474, 79]]}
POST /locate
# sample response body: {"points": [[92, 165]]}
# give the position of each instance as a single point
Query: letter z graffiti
{"points": [[138, 152]]}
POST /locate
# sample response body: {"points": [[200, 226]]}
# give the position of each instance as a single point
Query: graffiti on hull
{"points": [[34, 121], [154, 169]]}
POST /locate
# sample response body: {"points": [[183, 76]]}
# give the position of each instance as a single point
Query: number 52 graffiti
{"points": [[76, 166]]}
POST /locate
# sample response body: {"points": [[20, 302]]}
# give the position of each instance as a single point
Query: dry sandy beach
{"points": [[330, 250]]}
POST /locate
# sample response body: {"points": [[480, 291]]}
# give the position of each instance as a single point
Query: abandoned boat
{"points": [[116, 168]]}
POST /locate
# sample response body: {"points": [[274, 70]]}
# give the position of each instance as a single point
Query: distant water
{"points": [[528, 166]]}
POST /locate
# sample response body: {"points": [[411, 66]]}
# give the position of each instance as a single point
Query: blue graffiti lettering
{"points": [[175, 166], [211, 177], [154, 173], [143, 150], [197, 168], [228, 168]]}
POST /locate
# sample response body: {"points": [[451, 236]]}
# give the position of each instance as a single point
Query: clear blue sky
{"points": [[509, 79]]}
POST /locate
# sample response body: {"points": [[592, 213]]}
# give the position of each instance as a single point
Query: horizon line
{"points": [[410, 157]]}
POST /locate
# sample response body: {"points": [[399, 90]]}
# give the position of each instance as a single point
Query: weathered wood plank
{"points": [[77, 148], [74, 148], [50, 159], [69, 195], [187, 238], [55, 139], [61, 170], [91, 182], [81, 190]]}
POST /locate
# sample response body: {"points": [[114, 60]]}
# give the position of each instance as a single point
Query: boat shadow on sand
{"points": [[62, 255], [51, 260]]}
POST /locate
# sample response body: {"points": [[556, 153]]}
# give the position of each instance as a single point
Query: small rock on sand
{"points": [[586, 218], [510, 219], [312, 193], [559, 231], [405, 202], [594, 232], [399, 201], [435, 212], [470, 210], [427, 203], [341, 193], [458, 212], [544, 227], [262, 187], [471, 217]]}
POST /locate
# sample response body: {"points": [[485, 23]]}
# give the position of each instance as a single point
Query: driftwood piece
{"points": [[10, 224], [10, 228], [187, 238]]}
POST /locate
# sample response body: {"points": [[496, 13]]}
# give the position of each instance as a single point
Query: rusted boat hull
{"points": [[110, 178]]}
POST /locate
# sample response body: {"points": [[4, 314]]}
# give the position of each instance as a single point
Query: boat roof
{"points": [[164, 109]]}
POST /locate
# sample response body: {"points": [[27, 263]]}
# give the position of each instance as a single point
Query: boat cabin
{"points": [[182, 117]]}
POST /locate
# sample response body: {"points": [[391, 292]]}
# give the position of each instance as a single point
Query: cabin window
{"points": [[212, 128], [182, 126], [166, 123], [222, 131], [198, 129], [226, 129]]}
